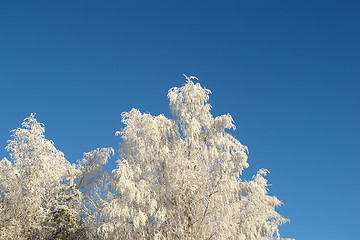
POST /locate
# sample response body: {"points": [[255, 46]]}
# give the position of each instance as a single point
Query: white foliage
{"points": [[179, 179], [92, 182], [32, 182], [42, 195]]}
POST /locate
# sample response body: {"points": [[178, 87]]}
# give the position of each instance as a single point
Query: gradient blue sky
{"points": [[287, 71]]}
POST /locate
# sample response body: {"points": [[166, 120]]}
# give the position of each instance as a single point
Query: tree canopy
{"points": [[178, 178]]}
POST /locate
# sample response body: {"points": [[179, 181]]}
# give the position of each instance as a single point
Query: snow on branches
{"points": [[177, 178]]}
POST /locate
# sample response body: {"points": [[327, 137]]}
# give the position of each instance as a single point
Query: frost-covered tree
{"points": [[180, 178], [78, 214], [31, 182], [42, 195], [10, 224], [92, 182], [177, 178]]}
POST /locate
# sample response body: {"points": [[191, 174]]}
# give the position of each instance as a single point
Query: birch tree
{"points": [[180, 178], [10, 225], [92, 183], [42, 195], [31, 182]]}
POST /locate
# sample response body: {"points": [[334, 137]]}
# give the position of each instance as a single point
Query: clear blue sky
{"points": [[287, 71]]}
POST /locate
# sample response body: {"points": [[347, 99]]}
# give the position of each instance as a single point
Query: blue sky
{"points": [[287, 71]]}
